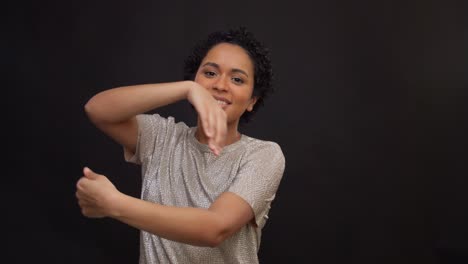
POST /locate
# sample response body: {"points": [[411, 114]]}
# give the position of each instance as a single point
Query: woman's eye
{"points": [[238, 80], [209, 74]]}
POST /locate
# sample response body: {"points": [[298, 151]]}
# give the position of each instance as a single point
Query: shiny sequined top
{"points": [[178, 170]]}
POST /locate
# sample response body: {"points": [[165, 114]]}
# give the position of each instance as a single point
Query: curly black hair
{"points": [[259, 54]]}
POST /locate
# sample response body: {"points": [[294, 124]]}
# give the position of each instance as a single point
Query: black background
{"points": [[370, 112]]}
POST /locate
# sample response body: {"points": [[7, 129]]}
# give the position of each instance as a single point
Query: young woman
{"points": [[206, 190]]}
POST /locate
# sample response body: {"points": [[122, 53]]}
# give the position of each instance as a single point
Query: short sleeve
{"points": [[258, 179], [149, 127]]}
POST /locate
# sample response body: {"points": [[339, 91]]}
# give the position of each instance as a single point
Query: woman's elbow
{"points": [[217, 240], [214, 241], [217, 236], [94, 112], [90, 108]]}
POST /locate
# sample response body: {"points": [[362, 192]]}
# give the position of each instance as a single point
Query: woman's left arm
{"points": [[98, 197]]}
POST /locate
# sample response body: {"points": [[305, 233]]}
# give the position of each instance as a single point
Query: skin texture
{"points": [[226, 74], [259, 54]]}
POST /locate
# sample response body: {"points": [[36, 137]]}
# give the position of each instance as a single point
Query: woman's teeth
{"points": [[221, 102]]}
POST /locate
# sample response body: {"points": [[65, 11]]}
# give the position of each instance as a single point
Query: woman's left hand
{"points": [[96, 194]]}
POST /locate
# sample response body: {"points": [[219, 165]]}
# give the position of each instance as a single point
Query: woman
{"points": [[206, 190]]}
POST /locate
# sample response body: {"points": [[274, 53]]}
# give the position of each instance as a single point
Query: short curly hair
{"points": [[259, 54]]}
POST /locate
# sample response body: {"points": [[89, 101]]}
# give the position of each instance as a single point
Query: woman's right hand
{"points": [[212, 117]]}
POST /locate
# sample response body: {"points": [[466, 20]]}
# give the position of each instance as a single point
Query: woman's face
{"points": [[228, 73]]}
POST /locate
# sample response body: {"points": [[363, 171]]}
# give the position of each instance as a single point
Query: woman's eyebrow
{"points": [[240, 71], [212, 64]]}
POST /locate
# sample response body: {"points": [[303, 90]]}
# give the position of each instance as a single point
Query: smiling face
{"points": [[228, 73]]}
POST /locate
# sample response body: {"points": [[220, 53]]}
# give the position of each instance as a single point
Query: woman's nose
{"points": [[221, 83]]}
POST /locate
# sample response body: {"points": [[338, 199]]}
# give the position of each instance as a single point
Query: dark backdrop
{"points": [[370, 112]]}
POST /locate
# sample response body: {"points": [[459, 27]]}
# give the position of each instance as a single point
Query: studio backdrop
{"points": [[369, 110]]}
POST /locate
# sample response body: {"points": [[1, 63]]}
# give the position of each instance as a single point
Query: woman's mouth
{"points": [[221, 102]]}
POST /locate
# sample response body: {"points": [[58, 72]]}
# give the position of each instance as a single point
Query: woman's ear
{"points": [[253, 100]]}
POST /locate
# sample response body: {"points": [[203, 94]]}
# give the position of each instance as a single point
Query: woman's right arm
{"points": [[114, 111]]}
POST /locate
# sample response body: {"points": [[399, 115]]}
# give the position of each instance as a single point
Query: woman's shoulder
{"points": [[263, 154], [255, 145], [158, 120]]}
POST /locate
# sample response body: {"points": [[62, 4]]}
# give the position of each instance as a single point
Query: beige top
{"points": [[178, 170]]}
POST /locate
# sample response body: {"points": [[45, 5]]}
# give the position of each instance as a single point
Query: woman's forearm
{"points": [[195, 226], [122, 103]]}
